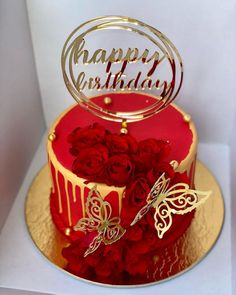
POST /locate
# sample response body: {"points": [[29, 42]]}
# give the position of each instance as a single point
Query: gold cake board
{"points": [[185, 253]]}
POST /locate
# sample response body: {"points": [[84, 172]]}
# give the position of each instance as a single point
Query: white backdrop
{"points": [[21, 117], [203, 31]]}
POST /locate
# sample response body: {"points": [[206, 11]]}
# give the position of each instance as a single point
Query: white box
{"points": [[205, 36]]}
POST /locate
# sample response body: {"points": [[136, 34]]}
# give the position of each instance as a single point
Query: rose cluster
{"points": [[121, 161], [123, 262], [115, 159], [131, 259]]}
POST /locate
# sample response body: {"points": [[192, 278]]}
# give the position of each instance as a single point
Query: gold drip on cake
{"points": [[59, 191], [82, 187], [174, 164], [68, 203], [52, 182], [73, 191]]}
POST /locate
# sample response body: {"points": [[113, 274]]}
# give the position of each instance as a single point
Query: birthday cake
{"points": [[84, 150], [122, 166]]}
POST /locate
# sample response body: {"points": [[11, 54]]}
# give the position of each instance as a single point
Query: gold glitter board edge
{"points": [[186, 252]]}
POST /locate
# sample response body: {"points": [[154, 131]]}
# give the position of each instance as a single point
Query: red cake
{"points": [[87, 152]]}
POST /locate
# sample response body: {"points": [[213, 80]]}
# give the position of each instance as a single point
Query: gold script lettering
{"points": [[118, 56], [78, 51], [114, 82], [98, 56]]}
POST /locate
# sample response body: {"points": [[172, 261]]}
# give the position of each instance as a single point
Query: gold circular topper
{"points": [[147, 62]]}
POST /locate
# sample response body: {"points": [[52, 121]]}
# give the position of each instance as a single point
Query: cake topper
{"points": [[147, 61], [168, 200], [99, 220]]}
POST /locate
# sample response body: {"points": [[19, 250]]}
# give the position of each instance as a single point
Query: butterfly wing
{"points": [[86, 225], [142, 212], [96, 242], [182, 199], [109, 234], [158, 188], [97, 211], [179, 199], [96, 208], [99, 219], [163, 219], [113, 232]]}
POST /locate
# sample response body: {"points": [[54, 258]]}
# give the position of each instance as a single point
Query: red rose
{"points": [[149, 146], [74, 254], [180, 177], [140, 247], [135, 197], [118, 170], [113, 252], [104, 269], [149, 219], [121, 143], [110, 269], [143, 163], [128, 213], [90, 163], [97, 266], [150, 152], [136, 264], [86, 137], [137, 191], [158, 170], [165, 149], [134, 233], [77, 248]]}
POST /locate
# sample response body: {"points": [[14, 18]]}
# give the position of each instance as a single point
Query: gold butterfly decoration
{"points": [[177, 199], [99, 219]]}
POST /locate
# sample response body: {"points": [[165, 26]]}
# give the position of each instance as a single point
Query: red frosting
{"points": [[166, 125]]}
